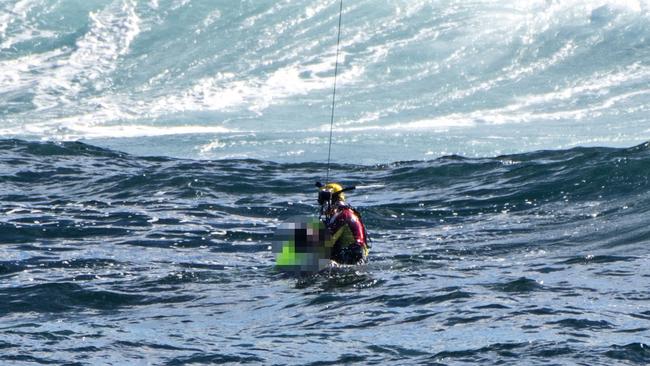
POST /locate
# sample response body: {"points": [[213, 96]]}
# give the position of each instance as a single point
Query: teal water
{"points": [[149, 149], [249, 79]]}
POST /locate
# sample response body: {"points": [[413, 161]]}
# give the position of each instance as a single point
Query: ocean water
{"points": [[149, 149], [419, 79], [536, 258]]}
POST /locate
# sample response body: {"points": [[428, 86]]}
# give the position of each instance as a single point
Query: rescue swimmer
{"points": [[345, 225]]}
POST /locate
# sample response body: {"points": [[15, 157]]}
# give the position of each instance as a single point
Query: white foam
{"points": [[514, 72], [599, 83], [369, 186], [26, 35], [58, 77], [25, 72], [515, 40], [512, 114], [211, 18], [293, 153], [225, 92], [94, 131], [213, 145], [177, 4], [252, 21], [437, 124], [96, 55], [129, 131], [315, 9], [16, 14]]}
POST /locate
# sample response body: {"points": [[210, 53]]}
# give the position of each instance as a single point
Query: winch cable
{"points": [[336, 70]]}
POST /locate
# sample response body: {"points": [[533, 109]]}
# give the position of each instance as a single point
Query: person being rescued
{"points": [[344, 224]]}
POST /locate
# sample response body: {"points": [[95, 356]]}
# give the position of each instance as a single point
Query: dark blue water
{"points": [[533, 259]]}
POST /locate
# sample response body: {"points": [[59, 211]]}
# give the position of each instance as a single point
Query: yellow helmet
{"points": [[331, 192]]}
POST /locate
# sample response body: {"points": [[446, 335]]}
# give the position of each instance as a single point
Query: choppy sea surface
{"points": [[149, 149], [536, 258]]}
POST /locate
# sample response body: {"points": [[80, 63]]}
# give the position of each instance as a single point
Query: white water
{"points": [[418, 79]]}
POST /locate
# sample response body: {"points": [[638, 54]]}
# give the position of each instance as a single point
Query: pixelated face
{"points": [[302, 244]]}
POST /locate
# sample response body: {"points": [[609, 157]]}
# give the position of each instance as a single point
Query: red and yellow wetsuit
{"points": [[348, 234]]}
